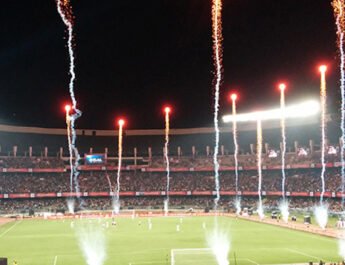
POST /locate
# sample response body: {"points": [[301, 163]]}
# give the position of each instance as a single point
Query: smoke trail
{"points": [[66, 15], [166, 156], [339, 12], [217, 54], [234, 132], [119, 165], [323, 128], [259, 154]]}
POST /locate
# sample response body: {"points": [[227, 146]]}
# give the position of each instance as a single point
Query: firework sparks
{"points": [[282, 125], [167, 111], [234, 133], [259, 164], [339, 13], [119, 165], [323, 97], [217, 54], [65, 11], [68, 124]]}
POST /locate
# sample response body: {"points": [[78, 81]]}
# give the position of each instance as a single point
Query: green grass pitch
{"points": [[38, 242]]}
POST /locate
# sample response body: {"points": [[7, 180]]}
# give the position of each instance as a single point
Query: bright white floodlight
{"points": [[304, 109]]}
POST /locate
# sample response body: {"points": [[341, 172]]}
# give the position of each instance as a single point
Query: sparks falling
{"points": [[65, 11], [339, 13], [323, 98], [259, 154], [166, 157], [119, 165], [234, 133], [217, 55]]}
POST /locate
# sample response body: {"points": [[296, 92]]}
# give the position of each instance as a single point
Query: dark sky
{"points": [[134, 56]]}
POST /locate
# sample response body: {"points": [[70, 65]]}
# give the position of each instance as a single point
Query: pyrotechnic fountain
{"points": [[284, 204], [339, 13], [116, 198], [260, 209], [234, 133], [91, 238], [218, 240], [65, 11], [219, 243], [92, 242], [321, 210], [166, 157]]}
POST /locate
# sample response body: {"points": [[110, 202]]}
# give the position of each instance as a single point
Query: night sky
{"points": [[134, 56]]}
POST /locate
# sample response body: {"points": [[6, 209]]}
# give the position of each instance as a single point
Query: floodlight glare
{"points": [[304, 109]]}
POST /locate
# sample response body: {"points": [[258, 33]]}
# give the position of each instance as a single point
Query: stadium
{"points": [[35, 189], [217, 132]]}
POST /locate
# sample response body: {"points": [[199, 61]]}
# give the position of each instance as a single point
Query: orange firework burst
{"points": [[65, 9], [217, 35]]}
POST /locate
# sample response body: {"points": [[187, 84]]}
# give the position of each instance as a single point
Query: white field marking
{"points": [[304, 254], [147, 262], [252, 261], [10, 228], [55, 260]]}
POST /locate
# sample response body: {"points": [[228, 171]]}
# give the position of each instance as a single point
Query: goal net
{"points": [[190, 256]]}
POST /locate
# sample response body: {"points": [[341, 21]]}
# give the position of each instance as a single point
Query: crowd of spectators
{"points": [[31, 162], [297, 180]]}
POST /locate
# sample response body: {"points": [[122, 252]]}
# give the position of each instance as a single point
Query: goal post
{"points": [[190, 256]]}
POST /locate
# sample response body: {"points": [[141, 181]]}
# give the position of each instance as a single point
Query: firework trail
{"points": [[119, 165], [234, 133], [109, 182], [68, 124], [217, 55], [65, 11], [284, 204], [259, 154], [339, 13], [282, 125], [323, 98], [166, 157]]}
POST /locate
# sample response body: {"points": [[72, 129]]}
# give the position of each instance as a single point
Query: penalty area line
{"points": [[10, 228]]}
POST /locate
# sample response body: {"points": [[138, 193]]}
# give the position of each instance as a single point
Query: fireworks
{"points": [[323, 69], [339, 13], [68, 124], [259, 154], [65, 11], [167, 111], [234, 132], [217, 54], [282, 125], [121, 123]]}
